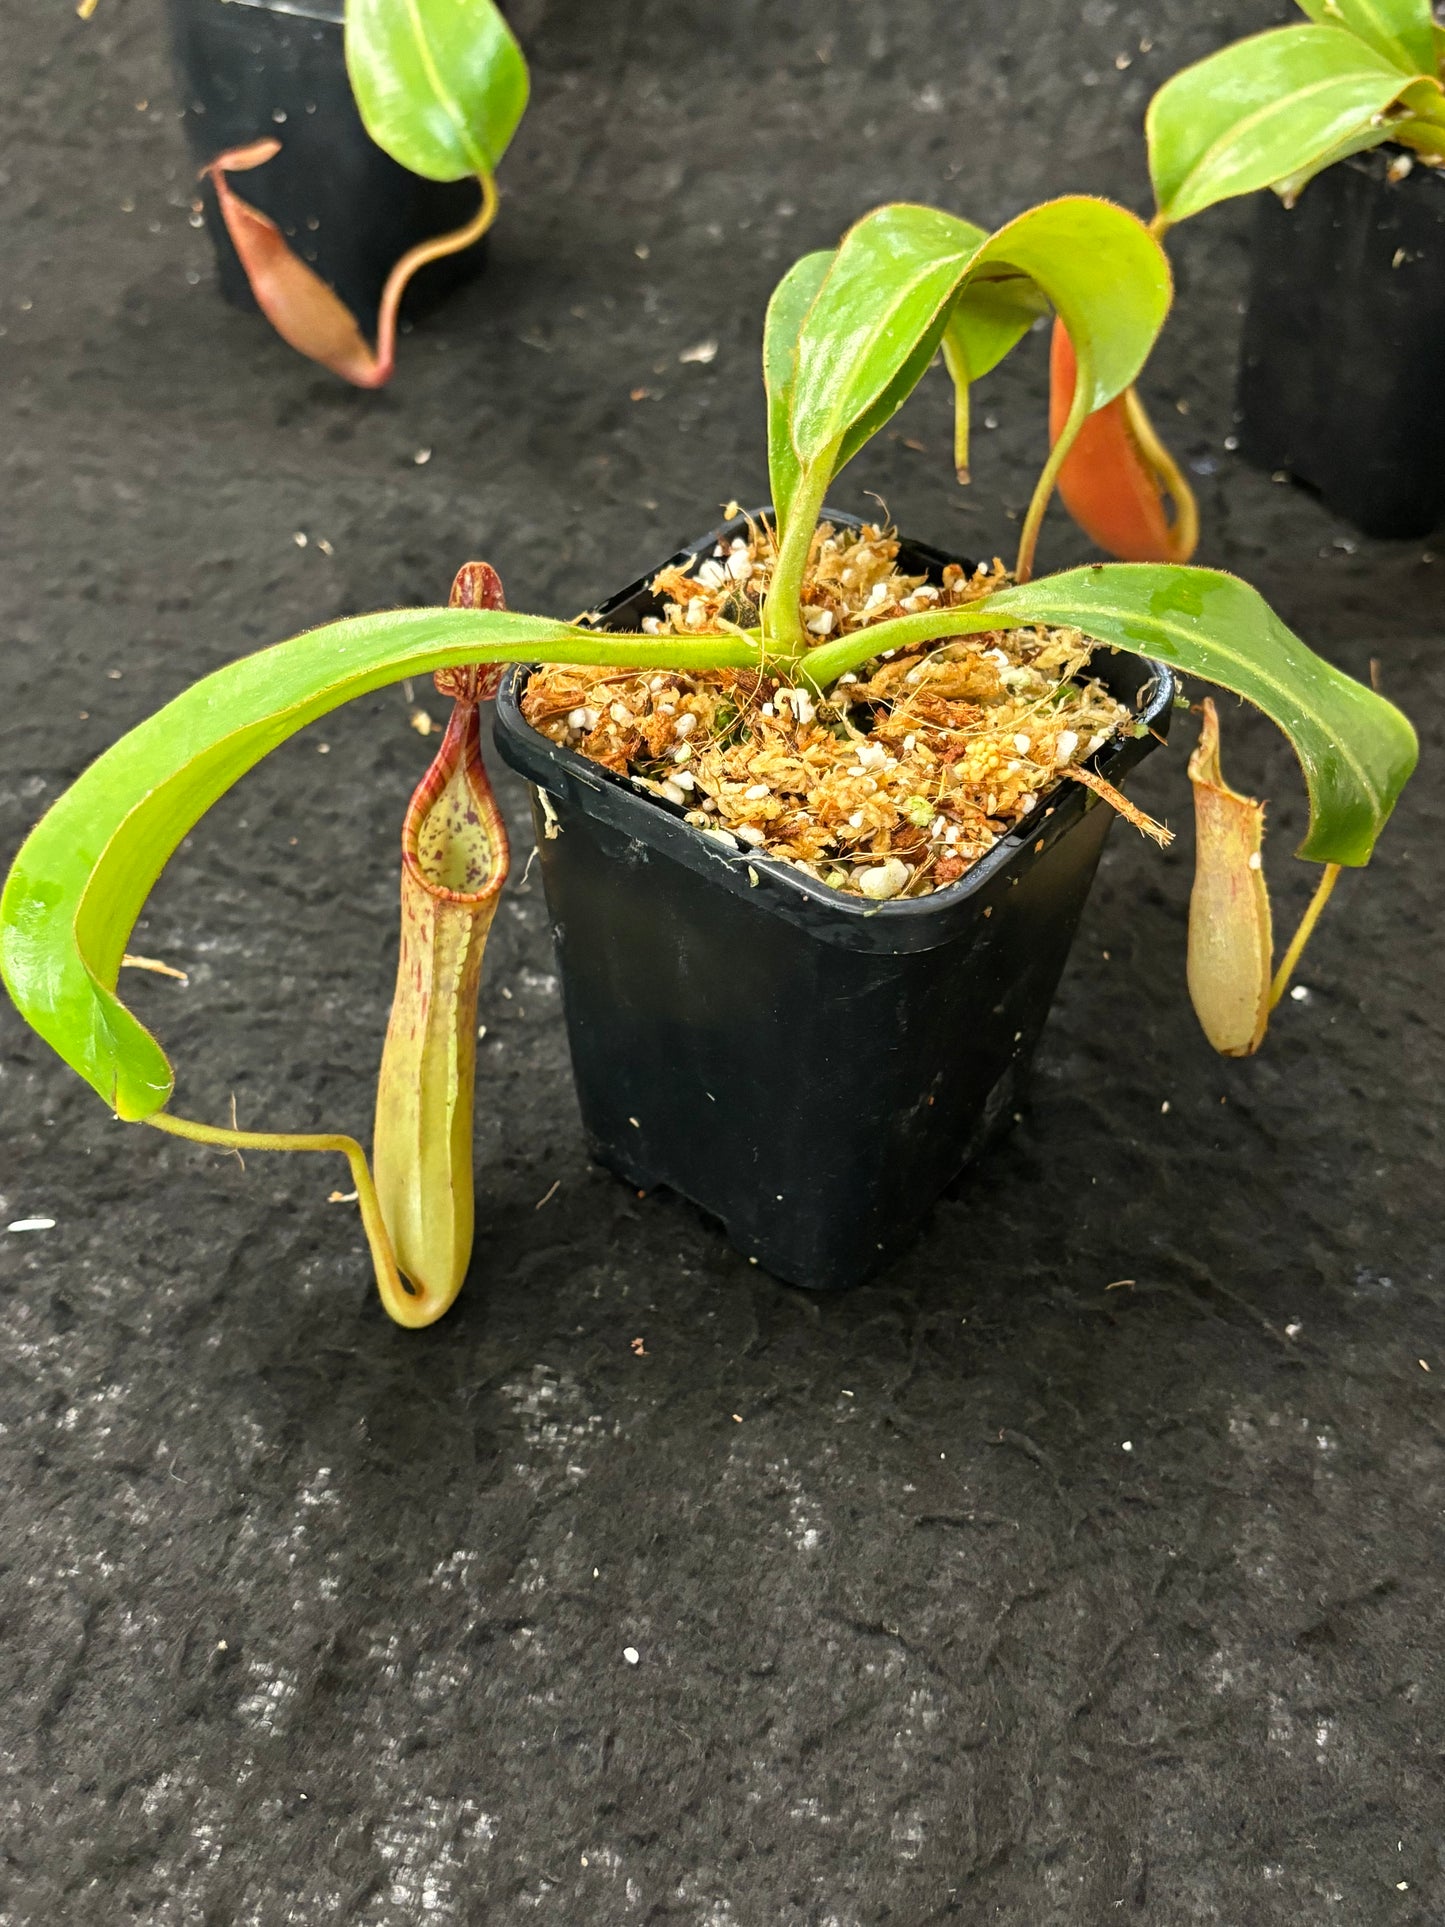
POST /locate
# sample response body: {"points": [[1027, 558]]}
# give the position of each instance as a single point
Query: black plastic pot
{"points": [[1342, 377], [808, 1067], [248, 70]]}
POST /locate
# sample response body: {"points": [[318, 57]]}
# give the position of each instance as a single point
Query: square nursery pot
{"points": [[810, 1068], [249, 70], [1342, 376]]}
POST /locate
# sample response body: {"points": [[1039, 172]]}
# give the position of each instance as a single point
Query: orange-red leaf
{"points": [[1118, 477], [307, 314]]}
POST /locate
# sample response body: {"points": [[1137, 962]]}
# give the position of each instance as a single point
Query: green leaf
{"points": [[906, 275], [1260, 110], [1401, 31], [83, 874], [791, 300], [1105, 275], [1356, 749], [987, 322], [887, 290], [441, 84]]}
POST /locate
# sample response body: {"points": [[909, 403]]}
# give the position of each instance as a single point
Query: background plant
{"points": [[441, 85]]}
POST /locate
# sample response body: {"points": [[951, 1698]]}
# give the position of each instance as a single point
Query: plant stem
{"points": [[408, 1306], [415, 259], [1184, 535], [1079, 410], [1302, 936], [783, 610]]}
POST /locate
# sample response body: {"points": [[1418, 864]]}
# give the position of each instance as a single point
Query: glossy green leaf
{"points": [[1356, 749], [1260, 110], [887, 292], [83, 874], [441, 84], [904, 275], [1401, 31], [791, 300], [1105, 275], [1380, 129]]}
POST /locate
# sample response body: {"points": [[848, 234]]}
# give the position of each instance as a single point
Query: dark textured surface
{"points": [[984, 1594]]}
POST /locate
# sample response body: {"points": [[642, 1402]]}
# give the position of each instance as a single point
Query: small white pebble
{"points": [[578, 719], [938, 826], [696, 610], [1293, 1329], [723, 836], [848, 676], [1026, 802], [739, 567], [1064, 748], [950, 835], [856, 819], [712, 576], [682, 753], [631, 1655], [684, 779], [658, 682], [755, 790], [1127, 1446], [871, 755], [1164, 1108], [750, 834], [651, 626], [821, 624], [1300, 993], [685, 724], [884, 880], [1023, 743], [1256, 861], [877, 595], [422, 457], [768, 710], [674, 792], [31, 1224], [909, 743], [620, 713]]}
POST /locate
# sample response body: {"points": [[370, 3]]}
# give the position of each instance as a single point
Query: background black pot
{"points": [[1342, 379], [810, 1068], [252, 69]]}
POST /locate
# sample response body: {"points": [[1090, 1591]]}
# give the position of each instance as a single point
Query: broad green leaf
{"points": [[1260, 110], [791, 300], [1290, 186], [1104, 273], [1401, 31], [83, 874], [988, 321], [1356, 749], [441, 84], [886, 292], [903, 275]]}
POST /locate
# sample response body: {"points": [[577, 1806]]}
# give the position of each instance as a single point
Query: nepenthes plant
{"points": [[441, 86], [1270, 111], [849, 334]]}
